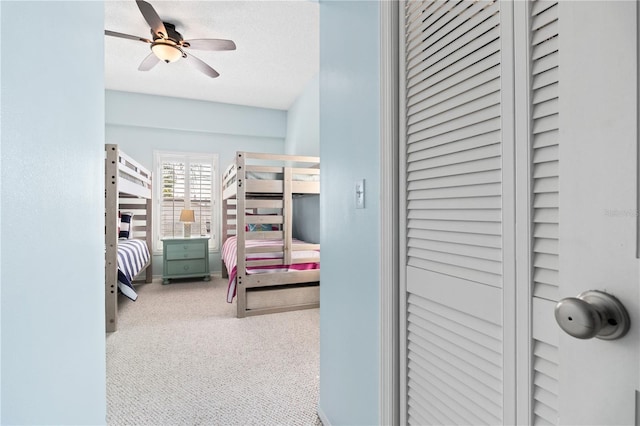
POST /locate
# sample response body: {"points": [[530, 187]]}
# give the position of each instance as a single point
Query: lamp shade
{"points": [[166, 51], [187, 216]]}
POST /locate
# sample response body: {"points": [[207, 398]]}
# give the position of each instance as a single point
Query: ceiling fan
{"points": [[167, 44]]}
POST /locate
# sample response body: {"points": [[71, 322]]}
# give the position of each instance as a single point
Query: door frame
{"points": [[389, 303]]}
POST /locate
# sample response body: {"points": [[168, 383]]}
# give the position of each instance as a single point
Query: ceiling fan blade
{"points": [[152, 18], [210, 44], [121, 35], [148, 62], [201, 66]]}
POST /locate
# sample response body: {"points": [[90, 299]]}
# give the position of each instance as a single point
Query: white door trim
{"points": [[523, 206], [389, 276], [507, 101], [402, 214]]}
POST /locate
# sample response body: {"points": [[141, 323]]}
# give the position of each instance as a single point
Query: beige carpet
{"points": [[180, 357]]}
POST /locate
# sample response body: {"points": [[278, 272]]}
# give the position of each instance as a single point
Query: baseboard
{"points": [[323, 417]]}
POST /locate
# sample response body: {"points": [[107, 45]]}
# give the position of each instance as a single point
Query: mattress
{"points": [[133, 257], [229, 256]]}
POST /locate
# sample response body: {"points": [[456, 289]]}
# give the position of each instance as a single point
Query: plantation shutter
{"points": [[454, 355], [545, 196], [187, 182], [201, 190], [173, 197]]}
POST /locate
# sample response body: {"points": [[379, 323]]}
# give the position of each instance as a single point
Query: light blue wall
{"points": [[303, 122], [303, 138], [52, 265], [140, 124], [349, 148]]}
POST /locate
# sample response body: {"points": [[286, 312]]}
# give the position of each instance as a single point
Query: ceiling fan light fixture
{"points": [[166, 51]]}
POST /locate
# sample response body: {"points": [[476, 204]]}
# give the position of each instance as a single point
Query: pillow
{"points": [[257, 227], [126, 226], [261, 227]]}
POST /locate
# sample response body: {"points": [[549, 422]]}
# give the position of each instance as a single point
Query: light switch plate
{"points": [[360, 194]]}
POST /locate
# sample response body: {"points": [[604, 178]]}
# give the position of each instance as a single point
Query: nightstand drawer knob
{"points": [[186, 267], [186, 247]]}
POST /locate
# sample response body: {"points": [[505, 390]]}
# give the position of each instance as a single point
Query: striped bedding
{"points": [[133, 256], [229, 256]]}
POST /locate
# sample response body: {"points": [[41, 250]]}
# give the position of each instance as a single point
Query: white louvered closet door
{"points": [[455, 270], [572, 105]]}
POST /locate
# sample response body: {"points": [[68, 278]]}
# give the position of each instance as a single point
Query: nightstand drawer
{"points": [[185, 251], [186, 267]]}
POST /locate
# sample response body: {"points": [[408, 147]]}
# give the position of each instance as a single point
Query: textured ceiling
{"points": [[277, 50]]}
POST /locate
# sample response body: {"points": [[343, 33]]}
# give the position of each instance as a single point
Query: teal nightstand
{"points": [[185, 258]]}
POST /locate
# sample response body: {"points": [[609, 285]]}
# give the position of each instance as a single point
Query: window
{"points": [[185, 181]]}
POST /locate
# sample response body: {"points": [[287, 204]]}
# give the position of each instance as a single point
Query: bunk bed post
{"points": [[225, 220], [111, 237], [148, 273], [225, 233], [287, 200], [241, 291]]}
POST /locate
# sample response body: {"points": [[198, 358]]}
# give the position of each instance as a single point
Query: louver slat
{"points": [[540, 6], [480, 240], [484, 122], [459, 151], [443, 82], [545, 78], [545, 33], [545, 17], [432, 22], [477, 215], [484, 384], [473, 166], [545, 175], [457, 397], [449, 101], [545, 148], [460, 146], [457, 203], [437, 31], [480, 48], [452, 373], [456, 180], [545, 392], [546, 139], [545, 63], [451, 42], [487, 372], [413, 9]]}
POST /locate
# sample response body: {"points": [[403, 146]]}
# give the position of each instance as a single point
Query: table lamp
{"points": [[187, 217]]}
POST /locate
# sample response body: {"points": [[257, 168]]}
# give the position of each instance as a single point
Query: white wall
{"points": [[52, 265], [140, 124], [349, 148]]}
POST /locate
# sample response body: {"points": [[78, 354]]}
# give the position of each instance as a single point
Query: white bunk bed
{"points": [[269, 270], [127, 188]]}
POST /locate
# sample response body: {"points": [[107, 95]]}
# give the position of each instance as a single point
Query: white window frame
{"points": [[158, 158]]}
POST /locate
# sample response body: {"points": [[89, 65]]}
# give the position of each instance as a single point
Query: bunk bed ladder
{"points": [[241, 291], [111, 237], [287, 213]]}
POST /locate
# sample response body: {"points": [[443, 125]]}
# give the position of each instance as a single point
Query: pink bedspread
{"points": [[229, 256]]}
